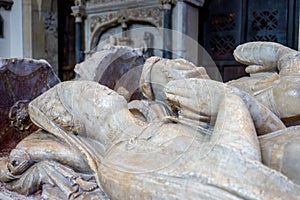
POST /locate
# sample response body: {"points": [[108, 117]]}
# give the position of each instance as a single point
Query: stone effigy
{"points": [[278, 87], [274, 81], [192, 138]]}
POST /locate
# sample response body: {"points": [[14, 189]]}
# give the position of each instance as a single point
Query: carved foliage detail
{"points": [[153, 15]]}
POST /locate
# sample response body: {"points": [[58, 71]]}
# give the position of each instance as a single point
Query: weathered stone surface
{"points": [[192, 138], [279, 150], [280, 92], [116, 67]]}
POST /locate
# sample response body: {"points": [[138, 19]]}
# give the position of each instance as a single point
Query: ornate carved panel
{"points": [[265, 24], [223, 22], [268, 21], [104, 17], [222, 45], [153, 15], [265, 20], [222, 29]]}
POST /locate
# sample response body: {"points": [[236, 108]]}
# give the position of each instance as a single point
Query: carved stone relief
{"points": [[100, 23], [103, 17], [152, 15]]}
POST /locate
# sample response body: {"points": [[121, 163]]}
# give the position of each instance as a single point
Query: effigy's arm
{"points": [[267, 57], [217, 105], [279, 92], [198, 100]]}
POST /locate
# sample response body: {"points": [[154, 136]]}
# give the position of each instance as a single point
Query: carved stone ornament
{"points": [[6, 4], [153, 15]]}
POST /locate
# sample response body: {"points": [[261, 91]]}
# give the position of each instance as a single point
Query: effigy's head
{"points": [[80, 107], [157, 72]]}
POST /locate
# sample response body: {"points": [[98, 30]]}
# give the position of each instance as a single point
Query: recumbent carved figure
{"points": [[202, 144]]}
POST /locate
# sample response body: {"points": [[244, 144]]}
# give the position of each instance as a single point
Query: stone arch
{"points": [[101, 29]]}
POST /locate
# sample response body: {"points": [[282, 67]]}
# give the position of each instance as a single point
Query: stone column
{"points": [[299, 31], [27, 10], [167, 46], [78, 12], [78, 38]]}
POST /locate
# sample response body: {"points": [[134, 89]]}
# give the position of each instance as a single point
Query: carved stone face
{"points": [[94, 105], [91, 98], [82, 103]]}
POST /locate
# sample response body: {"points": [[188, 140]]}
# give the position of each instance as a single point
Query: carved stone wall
{"points": [[104, 18], [107, 18]]}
